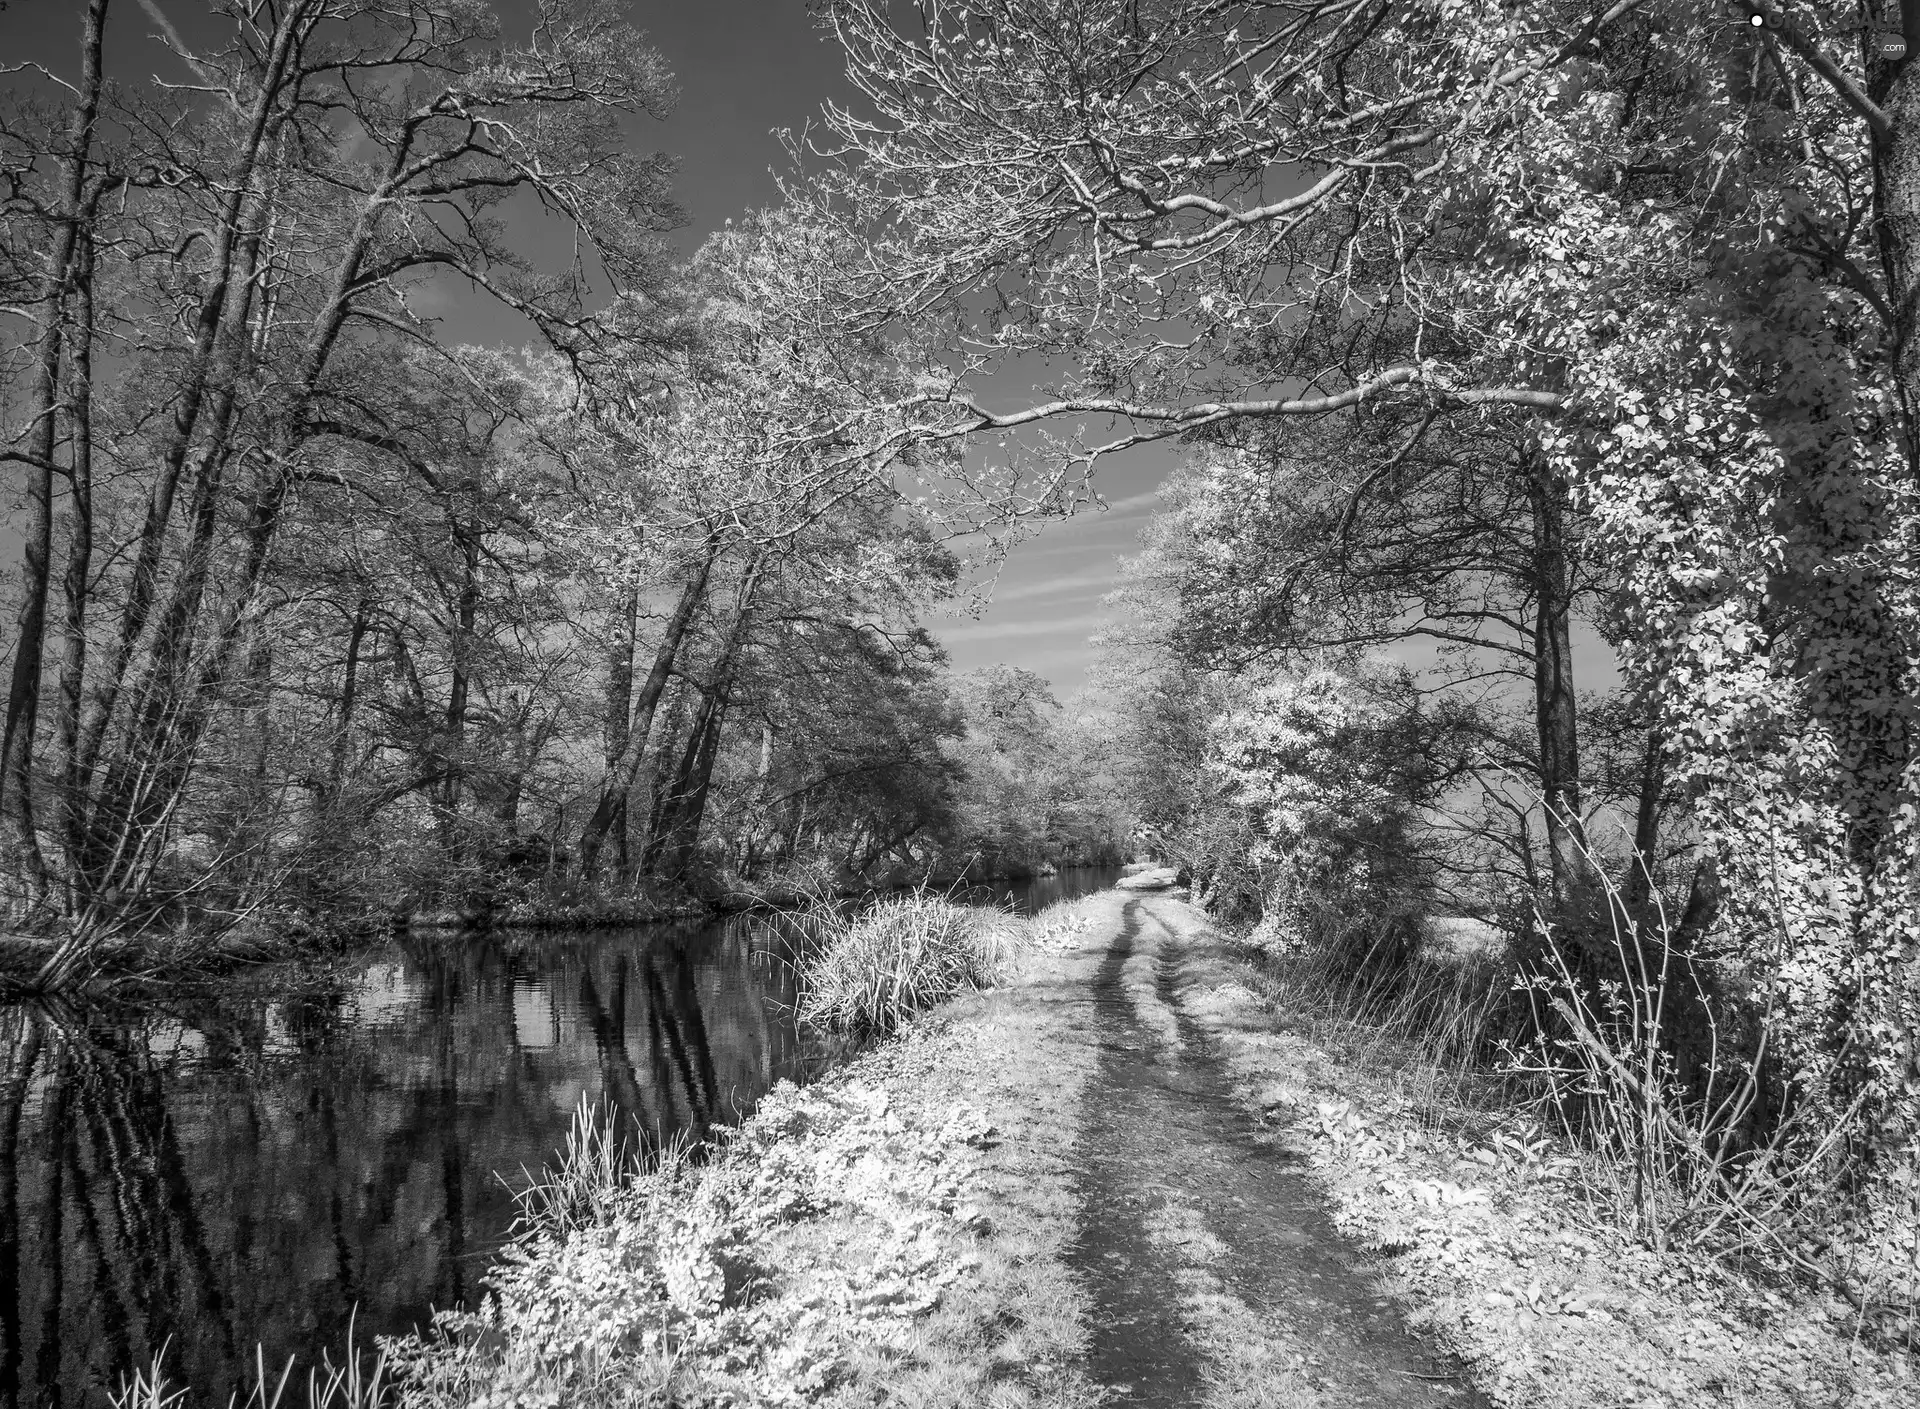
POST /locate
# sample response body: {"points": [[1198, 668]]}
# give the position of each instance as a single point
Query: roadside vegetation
{"points": [[1521, 1249], [1609, 1032]]}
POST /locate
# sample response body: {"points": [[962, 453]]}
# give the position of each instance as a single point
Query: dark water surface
{"points": [[212, 1172]]}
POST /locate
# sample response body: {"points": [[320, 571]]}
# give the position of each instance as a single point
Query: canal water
{"points": [[255, 1167]]}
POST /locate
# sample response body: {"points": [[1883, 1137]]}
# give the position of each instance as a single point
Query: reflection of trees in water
{"points": [[101, 1202], [19, 1055], [242, 1168]]}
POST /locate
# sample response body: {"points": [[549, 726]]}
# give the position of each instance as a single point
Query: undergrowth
{"points": [[803, 1247], [1476, 1047], [868, 974], [1428, 1028]]}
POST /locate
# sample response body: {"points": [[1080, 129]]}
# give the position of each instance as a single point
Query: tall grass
{"points": [[1717, 1160], [907, 953], [583, 1188], [359, 1382], [1429, 1027]]}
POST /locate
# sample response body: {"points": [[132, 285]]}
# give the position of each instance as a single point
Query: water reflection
{"points": [[215, 1171], [218, 1171]]}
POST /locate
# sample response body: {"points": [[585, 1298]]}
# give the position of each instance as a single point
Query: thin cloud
{"points": [[996, 631], [1105, 537], [1080, 583]]}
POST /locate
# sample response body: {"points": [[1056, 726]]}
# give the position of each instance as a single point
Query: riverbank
{"points": [[1122, 1176], [898, 1230], [184, 955]]}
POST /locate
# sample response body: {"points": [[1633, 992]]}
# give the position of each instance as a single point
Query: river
{"points": [[255, 1166]]}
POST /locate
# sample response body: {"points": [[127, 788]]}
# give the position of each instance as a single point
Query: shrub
{"points": [[904, 954]]}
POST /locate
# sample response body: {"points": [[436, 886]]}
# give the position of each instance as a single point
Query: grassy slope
{"points": [[892, 1233]]}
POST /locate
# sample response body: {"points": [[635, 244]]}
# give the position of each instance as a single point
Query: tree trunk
{"points": [[1895, 86], [1637, 888], [349, 697], [618, 780], [675, 834], [676, 825], [1555, 716], [43, 401], [617, 720], [232, 245], [454, 726], [75, 586], [145, 775]]}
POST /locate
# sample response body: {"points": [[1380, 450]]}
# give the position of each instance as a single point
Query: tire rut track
{"points": [[1214, 1273]]}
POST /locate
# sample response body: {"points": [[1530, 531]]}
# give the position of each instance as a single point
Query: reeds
{"points": [[593, 1181], [901, 956], [359, 1382], [583, 1188]]}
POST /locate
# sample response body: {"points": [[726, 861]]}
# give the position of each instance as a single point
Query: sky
{"points": [[745, 69]]}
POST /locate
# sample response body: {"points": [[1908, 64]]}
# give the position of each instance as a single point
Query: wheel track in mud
{"points": [[1214, 1273]]}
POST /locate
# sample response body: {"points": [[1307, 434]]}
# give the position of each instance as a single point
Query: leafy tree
{"points": [[1008, 806], [1332, 778]]}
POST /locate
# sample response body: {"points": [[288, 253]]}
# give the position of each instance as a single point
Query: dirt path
{"points": [[1213, 1273]]}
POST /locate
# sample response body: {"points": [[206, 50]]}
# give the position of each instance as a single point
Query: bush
{"points": [[904, 954]]}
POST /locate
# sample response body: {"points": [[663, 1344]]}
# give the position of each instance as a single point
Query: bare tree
{"points": [[272, 224]]}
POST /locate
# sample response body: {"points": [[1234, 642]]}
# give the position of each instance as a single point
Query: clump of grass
{"points": [[901, 956], [584, 1187]]}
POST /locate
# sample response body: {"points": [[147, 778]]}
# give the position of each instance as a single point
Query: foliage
{"points": [[822, 1226], [1622, 295], [899, 956], [1329, 781], [1739, 443], [1024, 799]]}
